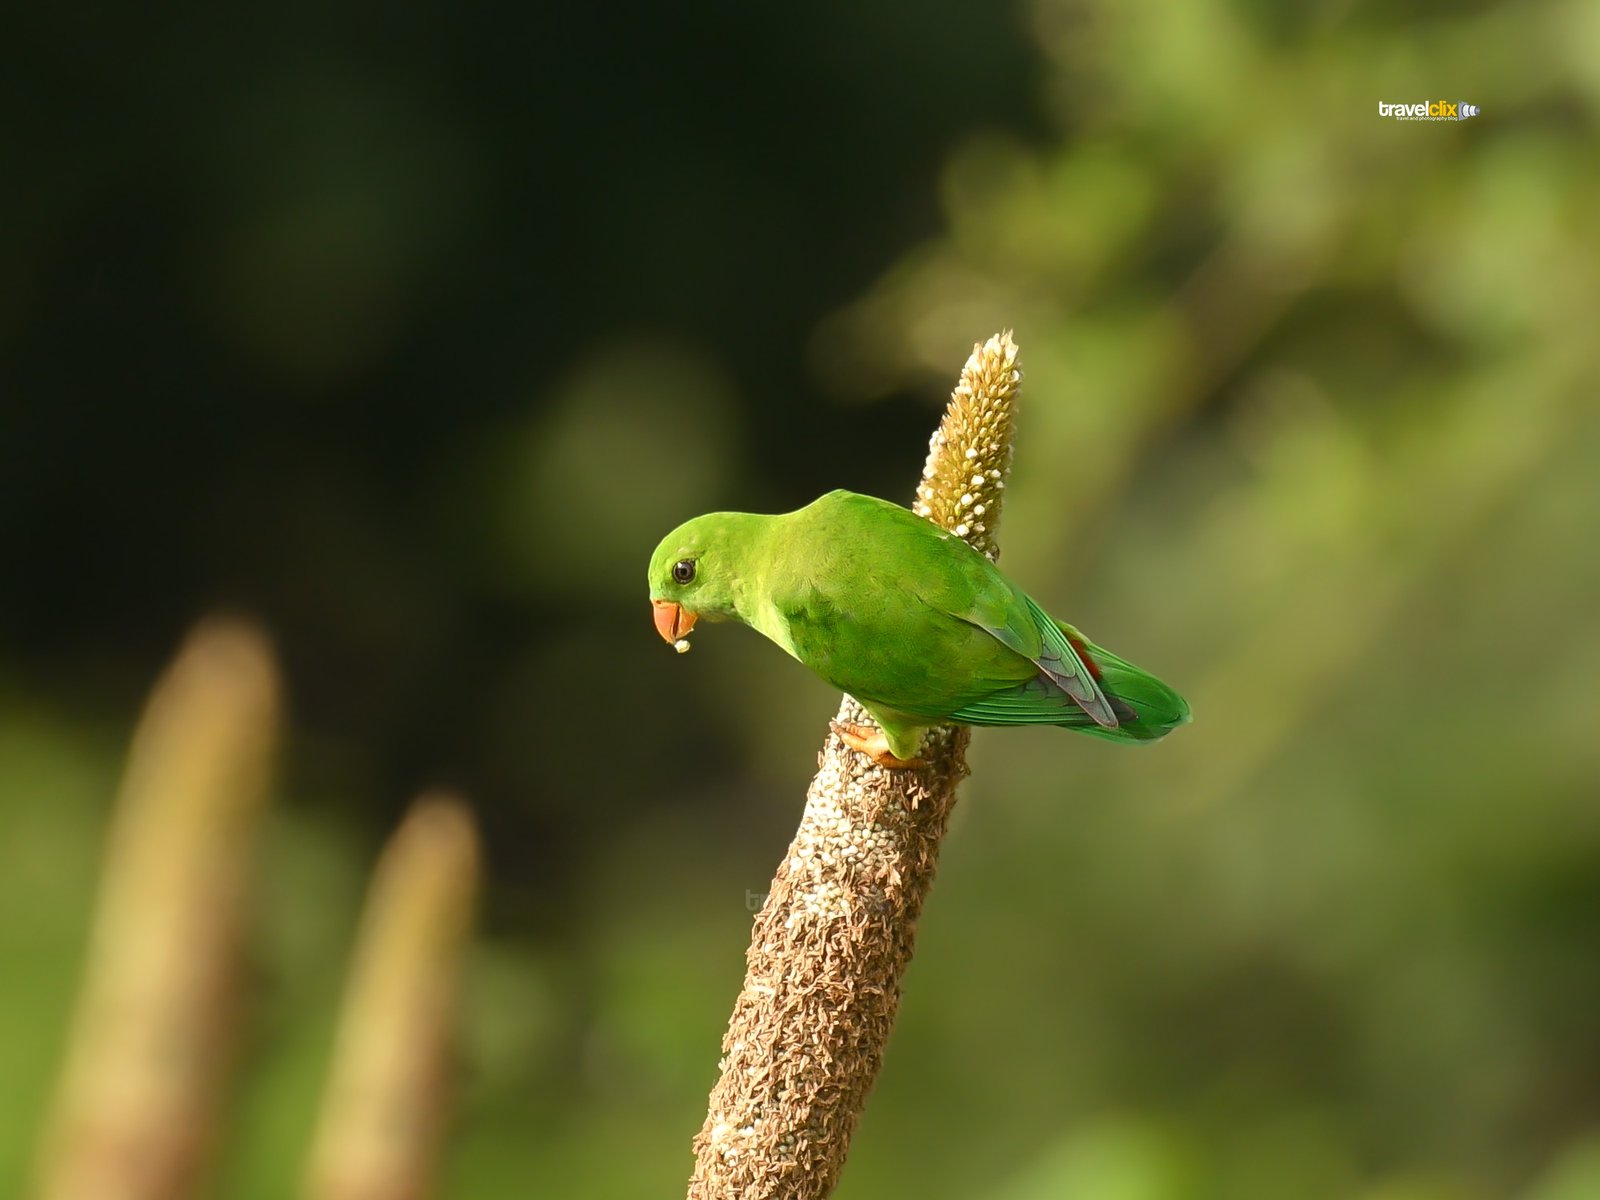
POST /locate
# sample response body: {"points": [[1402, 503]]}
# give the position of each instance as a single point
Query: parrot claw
{"points": [[871, 742]]}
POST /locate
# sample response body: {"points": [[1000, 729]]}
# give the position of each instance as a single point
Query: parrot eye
{"points": [[683, 570]]}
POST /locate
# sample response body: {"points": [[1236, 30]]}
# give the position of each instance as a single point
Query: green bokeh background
{"points": [[409, 332]]}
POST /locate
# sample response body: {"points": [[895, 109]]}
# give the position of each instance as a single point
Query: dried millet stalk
{"points": [[830, 945]]}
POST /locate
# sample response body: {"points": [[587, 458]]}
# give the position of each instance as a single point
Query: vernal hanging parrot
{"points": [[914, 623]]}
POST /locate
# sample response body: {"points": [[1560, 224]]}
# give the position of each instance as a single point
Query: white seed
{"points": [[681, 645]]}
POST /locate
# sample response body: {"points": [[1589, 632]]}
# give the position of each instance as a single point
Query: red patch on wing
{"points": [[1082, 647]]}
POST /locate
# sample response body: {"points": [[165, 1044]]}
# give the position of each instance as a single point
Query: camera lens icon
{"points": [[1467, 110]]}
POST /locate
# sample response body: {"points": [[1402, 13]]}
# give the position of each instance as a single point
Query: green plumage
{"points": [[915, 624]]}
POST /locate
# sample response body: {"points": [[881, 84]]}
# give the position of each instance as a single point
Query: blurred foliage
{"points": [[412, 338]]}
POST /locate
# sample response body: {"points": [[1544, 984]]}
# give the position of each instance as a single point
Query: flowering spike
{"points": [[970, 453]]}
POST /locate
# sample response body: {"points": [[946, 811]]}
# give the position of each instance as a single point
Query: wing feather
{"points": [[1035, 702], [1029, 630]]}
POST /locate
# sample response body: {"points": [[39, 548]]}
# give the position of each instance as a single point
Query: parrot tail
{"points": [[1146, 708]]}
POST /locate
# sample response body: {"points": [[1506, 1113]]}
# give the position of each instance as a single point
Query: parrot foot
{"points": [[871, 742]]}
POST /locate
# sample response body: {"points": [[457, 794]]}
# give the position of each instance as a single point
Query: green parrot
{"points": [[918, 626]]}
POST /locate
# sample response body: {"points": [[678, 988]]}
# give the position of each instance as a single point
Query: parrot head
{"points": [[694, 574]]}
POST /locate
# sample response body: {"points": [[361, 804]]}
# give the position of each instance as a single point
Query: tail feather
{"points": [[1146, 708]]}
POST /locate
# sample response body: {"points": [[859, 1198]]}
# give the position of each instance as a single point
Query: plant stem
{"points": [[832, 942]]}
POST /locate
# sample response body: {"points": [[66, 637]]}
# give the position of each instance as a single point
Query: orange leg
{"points": [[872, 743]]}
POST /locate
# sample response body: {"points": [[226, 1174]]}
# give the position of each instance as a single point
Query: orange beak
{"points": [[672, 619]]}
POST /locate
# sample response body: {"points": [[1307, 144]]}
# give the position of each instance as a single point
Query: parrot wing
{"points": [[1146, 708], [1029, 631], [867, 577], [1037, 701]]}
